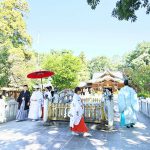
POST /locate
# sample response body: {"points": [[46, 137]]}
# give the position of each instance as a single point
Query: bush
{"points": [[145, 95]]}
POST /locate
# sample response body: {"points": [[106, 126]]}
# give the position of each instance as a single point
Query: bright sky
{"points": [[71, 24]]}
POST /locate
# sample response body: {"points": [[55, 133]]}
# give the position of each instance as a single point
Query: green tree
{"points": [[12, 24], [116, 63], [98, 64], [14, 40], [125, 9], [84, 74], [137, 67], [4, 65], [66, 67], [140, 56], [22, 62]]}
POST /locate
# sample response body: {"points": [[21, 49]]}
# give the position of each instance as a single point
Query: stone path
{"points": [[30, 135]]}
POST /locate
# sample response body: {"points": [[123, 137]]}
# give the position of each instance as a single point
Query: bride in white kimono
{"points": [[35, 104], [76, 112], [128, 105], [46, 100]]}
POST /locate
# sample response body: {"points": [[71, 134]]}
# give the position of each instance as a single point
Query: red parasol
{"points": [[40, 74]]}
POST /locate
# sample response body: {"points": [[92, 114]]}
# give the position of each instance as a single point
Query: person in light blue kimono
{"points": [[128, 105]]}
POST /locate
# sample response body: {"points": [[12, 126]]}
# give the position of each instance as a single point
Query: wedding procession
{"points": [[74, 75]]}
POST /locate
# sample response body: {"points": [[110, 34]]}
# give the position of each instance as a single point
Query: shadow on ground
{"points": [[34, 136]]}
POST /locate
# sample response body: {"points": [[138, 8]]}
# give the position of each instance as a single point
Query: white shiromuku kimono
{"points": [[47, 99], [35, 105], [76, 110], [128, 104]]}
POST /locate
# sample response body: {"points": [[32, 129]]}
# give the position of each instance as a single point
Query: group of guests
{"points": [[127, 103], [32, 106]]}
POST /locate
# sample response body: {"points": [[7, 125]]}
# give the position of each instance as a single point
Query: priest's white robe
{"points": [[128, 104]]}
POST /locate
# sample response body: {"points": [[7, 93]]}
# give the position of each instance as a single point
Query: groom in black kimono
{"points": [[23, 106]]}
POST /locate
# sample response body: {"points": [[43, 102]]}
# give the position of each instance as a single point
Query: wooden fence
{"points": [[90, 100], [92, 112]]}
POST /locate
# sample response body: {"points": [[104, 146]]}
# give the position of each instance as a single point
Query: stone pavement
{"points": [[30, 135]]}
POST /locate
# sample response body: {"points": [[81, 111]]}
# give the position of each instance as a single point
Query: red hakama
{"points": [[81, 127]]}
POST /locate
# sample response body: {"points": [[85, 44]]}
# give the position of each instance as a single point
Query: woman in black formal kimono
{"points": [[23, 108]]}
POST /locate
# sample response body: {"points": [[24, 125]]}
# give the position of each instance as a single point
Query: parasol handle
{"points": [[42, 84]]}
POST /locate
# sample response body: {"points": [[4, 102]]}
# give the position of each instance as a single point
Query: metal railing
{"points": [[144, 105]]}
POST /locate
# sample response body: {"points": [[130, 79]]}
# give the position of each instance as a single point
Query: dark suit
{"points": [[26, 96]]}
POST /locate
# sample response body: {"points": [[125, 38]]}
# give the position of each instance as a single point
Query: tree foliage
{"points": [[93, 3], [66, 67], [139, 57], [84, 74], [14, 41], [125, 9], [137, 67], [22, 62], [4, 65], [98, 64], [12, 24], [116, 63]]}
